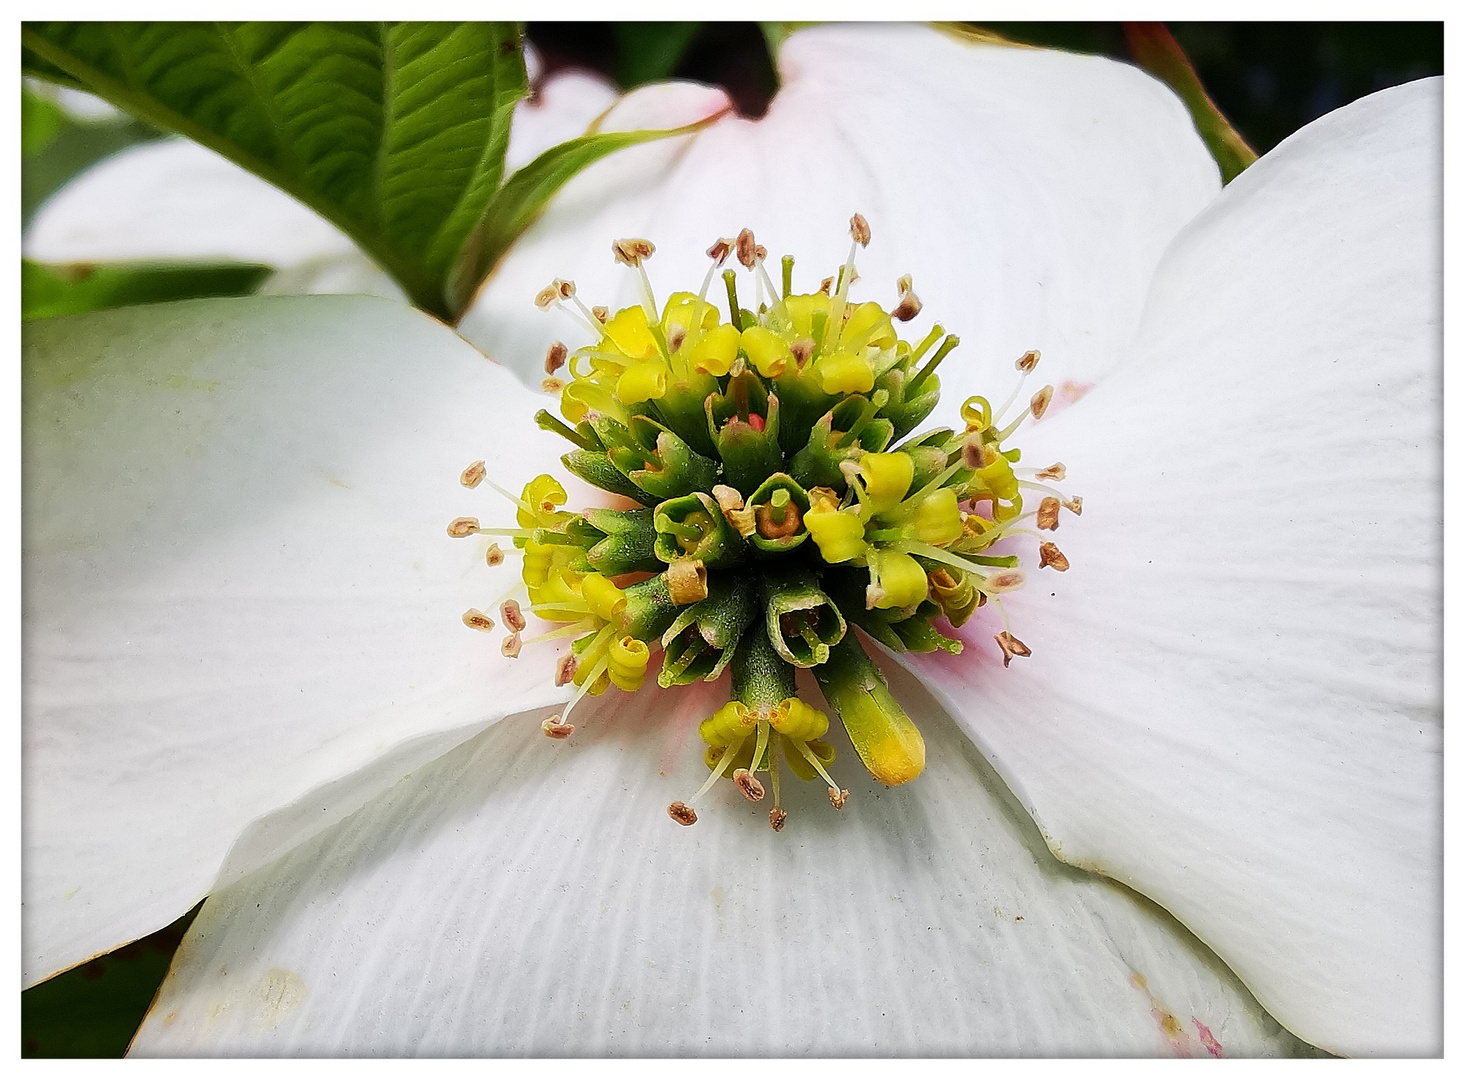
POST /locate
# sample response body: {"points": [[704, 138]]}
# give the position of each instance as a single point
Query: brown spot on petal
{"points": [[748, 784], [1049, 555], [1010, 647], [1048, 513], [681, 813]]}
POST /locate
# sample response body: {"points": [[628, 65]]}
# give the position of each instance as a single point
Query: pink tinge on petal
{"points": [[1209, 1041], [667, 105]]}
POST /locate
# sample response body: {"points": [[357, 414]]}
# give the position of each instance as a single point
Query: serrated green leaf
{"points": [[525, 195], [395, 132], [46, 291]]}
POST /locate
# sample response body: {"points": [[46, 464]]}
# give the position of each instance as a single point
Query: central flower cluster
{"points": [[772, 497]]}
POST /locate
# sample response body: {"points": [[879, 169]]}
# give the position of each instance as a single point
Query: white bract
{"points": [[247, 677]]}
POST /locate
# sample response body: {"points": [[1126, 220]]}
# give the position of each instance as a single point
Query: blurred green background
{"points": [[1269, 79]]}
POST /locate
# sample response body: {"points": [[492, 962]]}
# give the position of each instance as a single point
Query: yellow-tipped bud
{"points": [[644, 380], [838, 534], [846, 373], [902, 581], [938, 521], [627, 662], [800, 721], [629, 332], [714, 354], [604, 599], [887, 478], [766, 351]]}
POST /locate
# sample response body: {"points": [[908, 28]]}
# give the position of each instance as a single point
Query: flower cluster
{"points": [[772, 497]]}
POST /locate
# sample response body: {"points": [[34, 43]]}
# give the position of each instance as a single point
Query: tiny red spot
{"points": [[755, 422]]}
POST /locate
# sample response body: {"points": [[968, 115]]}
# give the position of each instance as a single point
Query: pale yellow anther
{"points": [[555, 358], [681, 813], [748, 784], [1039, 404], [686, 581], [477, 620], [511, 646], [473, 475], [1002, 581], [1048, 513], [512, 616], [1056, 471], [461, 527], [633, 251], [555, 729], [1011, 647], [547, 297], [1028, 360], [859, 230], [550, 385], [1074, 506], [600, 312], [1049, 555], [494, 555]]}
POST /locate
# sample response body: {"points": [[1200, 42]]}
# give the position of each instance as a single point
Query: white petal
{"points": [[520, 896], [175, 199], [1234, 699], [240, 589], [1030, 193]]}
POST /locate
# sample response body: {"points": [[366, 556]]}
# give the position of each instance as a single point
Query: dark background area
{"points": [[1268, 78]]}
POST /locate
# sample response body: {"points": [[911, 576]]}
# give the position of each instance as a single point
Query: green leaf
{"points": [[93, 1010], [649, 51], [40, 122], [393, 131], [69, 290], [1155, 49], [523, 198]]}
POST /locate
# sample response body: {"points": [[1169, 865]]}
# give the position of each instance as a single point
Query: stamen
{"points": [[634, 253], [1010, 647], [859, 229], [1039, 404], [473, 475], [564, 671], [910, 304], [1049, 555], [458, 528], [1028, 360], [1056, 471], [1048, 514], [748, 784], [494, 555], [550, 385], [557, 730], [555, 358], [512, 616], [716, 774], [511, 646], [477, 620], [681, 813]]}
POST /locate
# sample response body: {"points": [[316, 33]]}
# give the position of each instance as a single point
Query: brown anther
{"points": [[1074, 506], [1028, 360], [1048, 513], [1039, 404], [1000, 581], [550, 385], [747, 248], [686, 581], [601, 313], [1010, 647], [760, 253], [473, 475], [748, 784], [547, 297], [676, 337], [1049, 555], [681, 813], [718, 253], [566, 289], [942, 578], [859, 230], [494, 555], [511, 646], [632, 251], [565, 670], [776, 817], [971, 452], [512, 616], [838, 797], [910, 304], [1055, 471], [769, 529], [556, 730], [461, 527], [477, 620], [826, 285], [802, 349], [555, 358]]}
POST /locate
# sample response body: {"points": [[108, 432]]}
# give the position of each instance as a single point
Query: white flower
{"points": [[246, 677]]}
